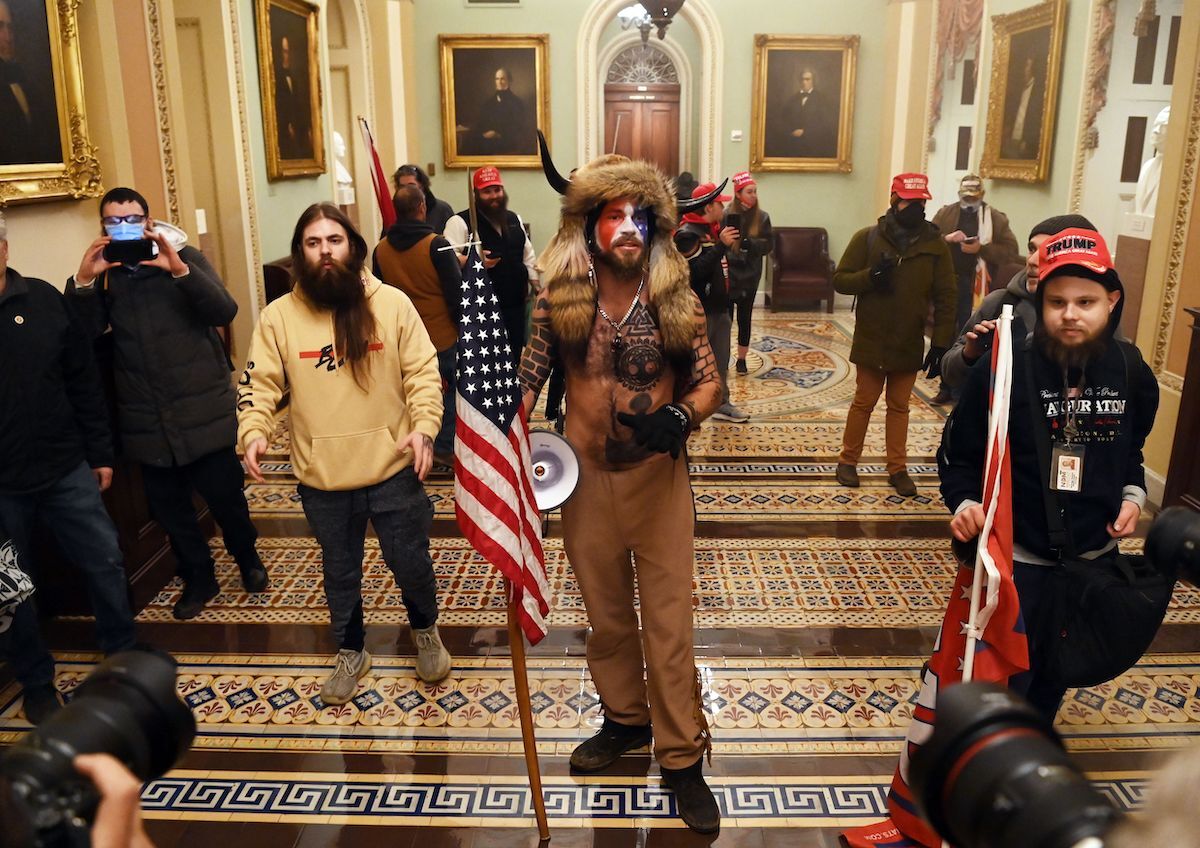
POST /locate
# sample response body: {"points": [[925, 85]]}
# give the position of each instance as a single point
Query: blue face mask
{"points": [[125, 231]]}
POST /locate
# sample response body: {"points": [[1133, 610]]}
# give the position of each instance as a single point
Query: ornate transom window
{"points": [[642, 65]]}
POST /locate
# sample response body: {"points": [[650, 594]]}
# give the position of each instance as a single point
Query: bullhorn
{"points": [[555, 469]]}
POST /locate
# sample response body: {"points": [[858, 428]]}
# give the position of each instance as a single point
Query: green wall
{"points": [[840, 202], [281, 202]]}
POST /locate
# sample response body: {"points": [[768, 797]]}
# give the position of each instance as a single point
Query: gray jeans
{"points": [[719, 326], [401, 513]]}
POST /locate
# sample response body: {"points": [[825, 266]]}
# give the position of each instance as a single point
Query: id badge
{"points": [[1066, 468]]}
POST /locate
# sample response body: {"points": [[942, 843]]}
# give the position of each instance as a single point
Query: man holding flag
{"points": [[620, 317], [1098, 400]]}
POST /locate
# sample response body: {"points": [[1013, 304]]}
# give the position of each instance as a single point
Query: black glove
{"points": [[932, 366], [881, 272], [664, 430]]}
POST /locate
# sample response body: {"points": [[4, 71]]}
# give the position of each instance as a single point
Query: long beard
{"points": [[1069, 357], [495, 213], [336, 287], [624, 267]]}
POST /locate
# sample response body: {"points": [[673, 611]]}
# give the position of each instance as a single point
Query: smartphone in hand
{"points": [[130, 252], [734, 219]]}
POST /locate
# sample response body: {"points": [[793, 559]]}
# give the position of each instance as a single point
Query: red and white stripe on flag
{"points": [[493, 472], [378, 180], [1000, 649]]}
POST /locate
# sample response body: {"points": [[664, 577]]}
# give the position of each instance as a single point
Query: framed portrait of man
{"points": [[1023, 93], [496, 94], [43, 153], [289, 76], [802, 104]]}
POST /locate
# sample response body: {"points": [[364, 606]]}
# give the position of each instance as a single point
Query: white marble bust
{"points": [[1145, 196], [345, 182]]}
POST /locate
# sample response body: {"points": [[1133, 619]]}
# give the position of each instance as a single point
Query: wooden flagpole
{"points": [[516, 642], [516, 638]]}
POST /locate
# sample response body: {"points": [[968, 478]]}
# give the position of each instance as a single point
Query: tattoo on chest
{"points": [[639, 360]]}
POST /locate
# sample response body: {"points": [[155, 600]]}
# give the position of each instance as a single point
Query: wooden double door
{"points": [[642, 122]]}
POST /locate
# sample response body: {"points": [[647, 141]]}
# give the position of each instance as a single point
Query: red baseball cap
{"points": [[741, 180], [1080, 251], [488, 176], [709, 188], [911, 187]]}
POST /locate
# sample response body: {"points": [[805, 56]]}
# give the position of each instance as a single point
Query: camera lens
{"points": [[1173, 543], [127, 707], [993, 774]]}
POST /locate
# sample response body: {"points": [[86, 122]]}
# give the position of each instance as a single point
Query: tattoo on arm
{"points": [[537, 360], [703, 393]]}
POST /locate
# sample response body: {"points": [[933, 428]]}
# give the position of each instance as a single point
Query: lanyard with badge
{"points": [[1066, 457]]}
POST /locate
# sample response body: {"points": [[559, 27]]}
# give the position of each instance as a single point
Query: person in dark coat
{"points": [[897, 269], [437, 211], [56, 458], [175, 397], [746, 257]]}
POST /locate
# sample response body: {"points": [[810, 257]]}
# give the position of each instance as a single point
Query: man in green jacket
{"points": [[895, 268]]}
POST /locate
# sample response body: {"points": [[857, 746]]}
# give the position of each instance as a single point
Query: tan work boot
{"points": [[433, 660], [348, 667]]}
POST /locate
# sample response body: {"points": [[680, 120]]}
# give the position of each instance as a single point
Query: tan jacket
{"points": [[342, 436]]}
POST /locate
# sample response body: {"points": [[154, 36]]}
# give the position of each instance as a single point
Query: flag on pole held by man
{"points": [[982, 635], [493, 482], [383, 196]]}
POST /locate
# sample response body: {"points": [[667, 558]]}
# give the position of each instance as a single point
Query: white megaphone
{"points": [[555, 469]]}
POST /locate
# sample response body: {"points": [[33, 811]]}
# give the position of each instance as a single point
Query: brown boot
{"points": [[903, 484], [847, 475]]}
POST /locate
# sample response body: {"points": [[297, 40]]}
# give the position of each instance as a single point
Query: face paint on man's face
{"points": [[620, 223]]}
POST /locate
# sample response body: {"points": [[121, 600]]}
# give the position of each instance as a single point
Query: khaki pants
{"points": [[638, 525], [871, 382]]}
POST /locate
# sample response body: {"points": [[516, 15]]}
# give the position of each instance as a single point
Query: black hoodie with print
{"points": [[1114, 413]]}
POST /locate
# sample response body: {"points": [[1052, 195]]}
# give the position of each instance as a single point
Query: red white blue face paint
{"points": [[622, 223]]}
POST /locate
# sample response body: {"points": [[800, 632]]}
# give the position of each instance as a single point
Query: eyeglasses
{"points": [[113, 220]]}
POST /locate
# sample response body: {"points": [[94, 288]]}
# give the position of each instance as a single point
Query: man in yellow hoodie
{"points": [[366, 402]]}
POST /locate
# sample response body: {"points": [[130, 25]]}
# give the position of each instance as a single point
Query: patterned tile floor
{"points": [[815, 607], [775, 583]]}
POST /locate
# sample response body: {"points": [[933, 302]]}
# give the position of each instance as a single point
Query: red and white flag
{"points": [[982, 635], [493, 478], [383, 196]]}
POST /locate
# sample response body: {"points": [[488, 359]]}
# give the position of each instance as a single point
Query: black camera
{"points": [[994, 774], [127, 707], [131, 251]]}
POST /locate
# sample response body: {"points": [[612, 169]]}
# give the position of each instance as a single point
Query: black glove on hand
{"points": [[663, 430], [932, 366], [881, 272]]}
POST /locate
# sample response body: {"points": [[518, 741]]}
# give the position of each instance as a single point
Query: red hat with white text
{"points": [[911, 187], [488, 176]]}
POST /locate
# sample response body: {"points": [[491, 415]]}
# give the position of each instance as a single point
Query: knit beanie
{"points": [[1058, 223]]}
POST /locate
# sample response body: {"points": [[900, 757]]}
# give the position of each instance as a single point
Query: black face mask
{"points": [[911, 216]]}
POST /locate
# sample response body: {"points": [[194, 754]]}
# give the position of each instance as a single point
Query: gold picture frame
{"points": [[1023, 93], [45, 151], [293, 129], [482, 123], [799, 82]]}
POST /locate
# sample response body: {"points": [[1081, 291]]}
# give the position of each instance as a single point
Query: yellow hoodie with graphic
{"points": [[343, 437]]}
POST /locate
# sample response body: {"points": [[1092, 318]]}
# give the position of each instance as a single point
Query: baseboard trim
{"points": [[1156, 486]]}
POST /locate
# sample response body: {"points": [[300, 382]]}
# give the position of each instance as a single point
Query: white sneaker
{"points": [[433, 660], [729, 412], [348, 667]]}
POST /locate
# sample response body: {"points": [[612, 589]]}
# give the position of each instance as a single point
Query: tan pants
{"points": [[871, 382], [622, 526]]}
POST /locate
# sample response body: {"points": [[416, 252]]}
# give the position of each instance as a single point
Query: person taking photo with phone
{"points": [[981, 244], [753, 226], [175, 397]]}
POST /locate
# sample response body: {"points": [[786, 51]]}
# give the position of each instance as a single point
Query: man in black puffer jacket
{"points": [[175, 398]]}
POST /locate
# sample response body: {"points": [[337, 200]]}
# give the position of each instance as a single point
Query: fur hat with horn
{"points": [[565, 262]]}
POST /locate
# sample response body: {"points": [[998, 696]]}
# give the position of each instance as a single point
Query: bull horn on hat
{"points": [[557, 181], [698, 203]]}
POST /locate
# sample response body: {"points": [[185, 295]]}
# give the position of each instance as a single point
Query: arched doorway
{"points": [[641, 107]]}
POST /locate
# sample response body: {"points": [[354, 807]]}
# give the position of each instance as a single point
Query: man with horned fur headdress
{"points": [[619, 316]]}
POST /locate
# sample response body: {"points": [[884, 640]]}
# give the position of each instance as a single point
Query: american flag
{"points": [[996, 648], [493, 484]]}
